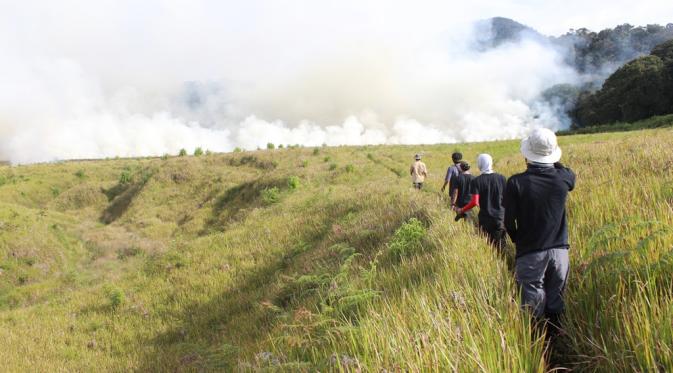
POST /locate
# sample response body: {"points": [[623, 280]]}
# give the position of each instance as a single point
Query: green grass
{"points": [[261, 260]]}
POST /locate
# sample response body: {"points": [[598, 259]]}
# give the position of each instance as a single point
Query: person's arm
{"points": [[411, 170], [510, 204], [567, 174], [473, 202]]}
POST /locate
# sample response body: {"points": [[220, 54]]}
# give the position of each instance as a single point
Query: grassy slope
{"points": [[199, 269]]}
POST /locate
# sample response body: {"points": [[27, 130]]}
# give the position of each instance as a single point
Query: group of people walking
{"points": [[529, 207]]}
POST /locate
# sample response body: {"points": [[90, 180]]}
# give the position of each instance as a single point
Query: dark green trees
{"points": [[640, 89]]}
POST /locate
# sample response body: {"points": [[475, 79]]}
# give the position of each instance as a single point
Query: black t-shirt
{"points": [[490, 188], [461, 182]]}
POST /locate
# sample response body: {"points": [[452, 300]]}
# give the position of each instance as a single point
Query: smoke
{"points": [[149, 81]]}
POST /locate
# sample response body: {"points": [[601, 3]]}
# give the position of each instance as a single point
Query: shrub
{"points": [[327, 159], [237, 150], [128, 252], [115, 296], [270, 146], [270, 195], [164, 157], [304, 163], [198, 152], [332, 166], [293, 182], [125, 177], [350, 168], [408, 238], [280, 146], [80, 174], [316, 151], [55, 191], [183, 152]]}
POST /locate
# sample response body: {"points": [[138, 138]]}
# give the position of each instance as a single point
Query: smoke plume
{"points": [[84, 81]]}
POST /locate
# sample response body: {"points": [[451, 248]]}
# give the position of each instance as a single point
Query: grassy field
{"points": [[323, 259]]}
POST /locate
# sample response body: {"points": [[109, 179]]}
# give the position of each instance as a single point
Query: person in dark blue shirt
{"points": [[453, 170]]}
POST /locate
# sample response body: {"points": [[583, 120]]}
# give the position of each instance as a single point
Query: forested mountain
{"points": [[640, 89], [619, 79], [493, 32], [603, 52]]}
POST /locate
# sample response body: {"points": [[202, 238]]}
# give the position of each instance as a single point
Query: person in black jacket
{"points": [[535, 219]]}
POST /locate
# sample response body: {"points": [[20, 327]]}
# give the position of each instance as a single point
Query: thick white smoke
{"points": [[121, 79]]}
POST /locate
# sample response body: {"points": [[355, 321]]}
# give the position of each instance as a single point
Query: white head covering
{"points": [[541, 146], [485, 163]]}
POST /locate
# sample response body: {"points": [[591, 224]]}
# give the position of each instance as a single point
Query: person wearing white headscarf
{"points": [[487, 190], [485, 163]]}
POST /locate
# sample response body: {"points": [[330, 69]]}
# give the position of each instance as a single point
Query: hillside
{"points": [[640, 89], [323, 259]]}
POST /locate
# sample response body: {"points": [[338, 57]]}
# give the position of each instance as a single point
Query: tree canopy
{"points": [[640, 89]]}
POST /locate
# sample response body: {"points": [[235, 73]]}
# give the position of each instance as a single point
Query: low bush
{"points": [[115, 296], [270, 195], [126, 176], [293, 182], [408, 238]]}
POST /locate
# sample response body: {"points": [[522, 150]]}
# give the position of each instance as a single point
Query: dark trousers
{"points": [[542, 277], [495, 232]]}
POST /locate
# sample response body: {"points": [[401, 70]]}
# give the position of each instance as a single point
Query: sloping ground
{"points": [[322, 259]]}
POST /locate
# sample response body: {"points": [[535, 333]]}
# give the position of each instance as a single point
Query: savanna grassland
{"points": [[323, 259]]}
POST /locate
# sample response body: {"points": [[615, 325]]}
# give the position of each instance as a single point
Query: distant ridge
{"points": [[493, 32]]}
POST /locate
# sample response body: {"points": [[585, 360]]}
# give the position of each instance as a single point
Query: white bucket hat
{"points": [[541, 146]]}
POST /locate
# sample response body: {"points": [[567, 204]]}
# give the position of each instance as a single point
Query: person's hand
{"points": [[443, 188], [558, 165], [459, 216]]}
